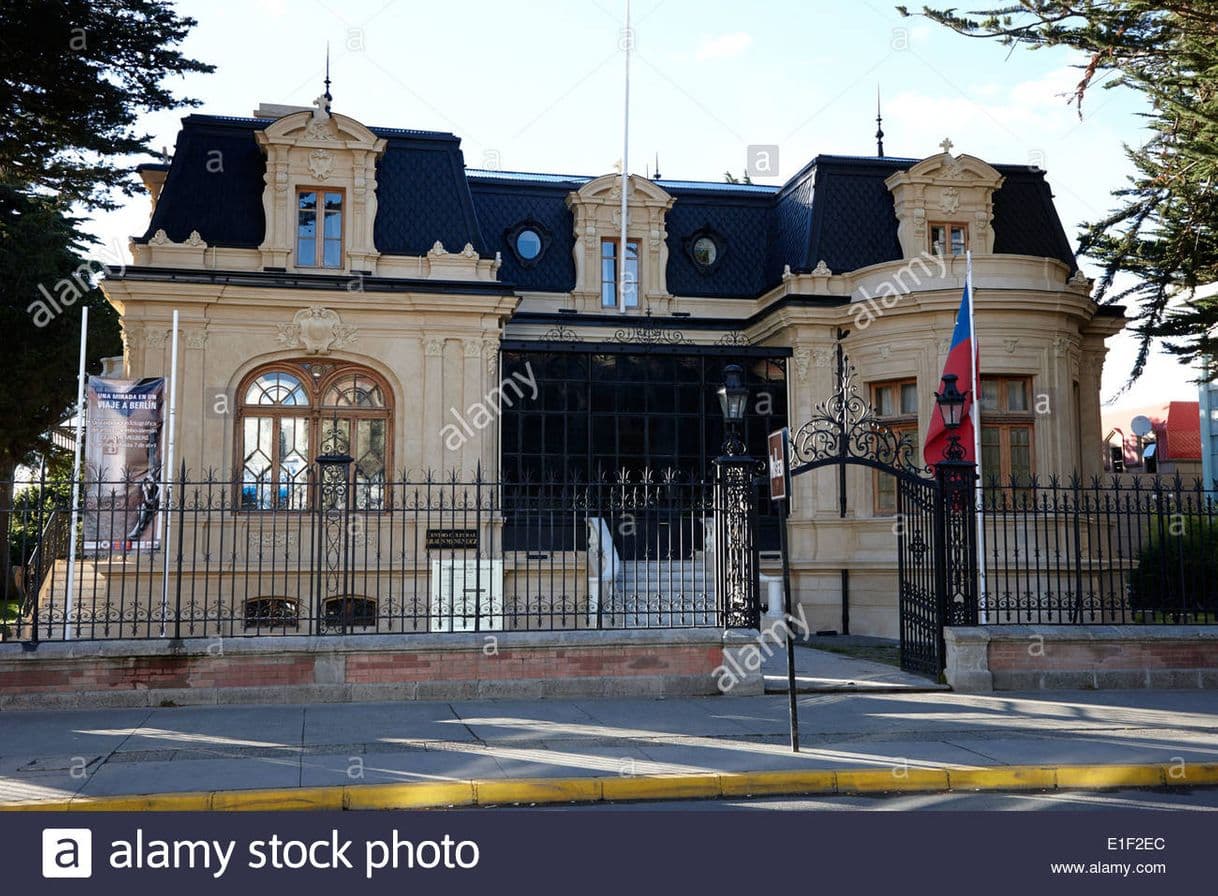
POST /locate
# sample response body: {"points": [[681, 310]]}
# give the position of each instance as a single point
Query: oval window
{"points": [[528, 244], [705, 251]]}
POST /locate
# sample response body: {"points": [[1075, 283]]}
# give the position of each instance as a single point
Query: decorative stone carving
{"points": [[316, 329], [1062, 344], [1080, 281], [196, 337], [321, 163], [802, 356], [490, 351], [160, 238], [821, 270], [435, 347], [469, 251], [194, 241], [786, 272], [949, 201], [473, 348], [155, 338], [1009, 344], [825, 357], [885, 351], [437, 249]]}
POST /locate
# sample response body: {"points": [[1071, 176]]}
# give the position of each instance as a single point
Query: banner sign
{"points": [[123, 463], [779, 465]]}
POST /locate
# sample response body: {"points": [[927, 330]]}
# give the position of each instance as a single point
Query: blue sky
{"points": [[537, 86]]}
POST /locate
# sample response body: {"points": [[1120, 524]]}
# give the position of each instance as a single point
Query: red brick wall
{"points": [[22, 675]]}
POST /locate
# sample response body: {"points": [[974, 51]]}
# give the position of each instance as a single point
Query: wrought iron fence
{"points": [[426, 554], [1120, 549]]}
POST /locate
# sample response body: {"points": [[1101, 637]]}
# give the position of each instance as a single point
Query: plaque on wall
{"points": [[452, 539]]}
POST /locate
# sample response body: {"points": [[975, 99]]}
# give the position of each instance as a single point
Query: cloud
{"points": [[723, 46]]}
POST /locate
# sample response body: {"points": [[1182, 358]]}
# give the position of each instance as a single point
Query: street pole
{"points": [[792, 706], [780, 494]]}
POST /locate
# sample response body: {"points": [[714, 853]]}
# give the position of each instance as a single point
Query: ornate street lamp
{"points": [[733, 402], [950, 401], [951, 409]]}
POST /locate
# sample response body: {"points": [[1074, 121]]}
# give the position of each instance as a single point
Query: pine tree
{"points": [[74, 76], [1163, 230]]}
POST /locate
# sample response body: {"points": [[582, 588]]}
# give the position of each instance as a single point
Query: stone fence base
{"points": [[1071, 657], [521, 665]]}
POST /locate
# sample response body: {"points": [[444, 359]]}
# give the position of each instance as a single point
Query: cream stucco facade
{"points": [[431, 325]]}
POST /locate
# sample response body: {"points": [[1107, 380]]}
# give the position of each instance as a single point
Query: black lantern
{"points": [[733, 394], [951, 402]]}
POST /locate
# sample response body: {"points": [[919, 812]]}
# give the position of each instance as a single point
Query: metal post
{"points": [[735, 542], [74, 509], [956, 532], [788, 615], [177, 601], [334, 471]]}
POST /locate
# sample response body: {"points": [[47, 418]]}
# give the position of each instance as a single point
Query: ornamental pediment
{"points": [[945, 203], [320, 127]]}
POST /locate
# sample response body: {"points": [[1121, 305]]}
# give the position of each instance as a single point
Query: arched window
{"points": [[291, 411]]}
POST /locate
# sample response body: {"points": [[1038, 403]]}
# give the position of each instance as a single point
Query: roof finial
{"points": [[329, 99], [879, 125], [947, 145], [657, 177]]}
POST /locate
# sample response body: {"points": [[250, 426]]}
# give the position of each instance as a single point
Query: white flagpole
{"points": [[75, 514], [627, 39], [979, 495], [167, 472]]}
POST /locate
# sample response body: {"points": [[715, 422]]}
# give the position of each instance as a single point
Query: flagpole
{"points": [[75, 512], [166, 521], [627, 40], [979, 490]]}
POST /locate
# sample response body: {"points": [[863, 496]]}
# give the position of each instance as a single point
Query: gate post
{"points": [[736, 561], [332, 557], [956, 551]]}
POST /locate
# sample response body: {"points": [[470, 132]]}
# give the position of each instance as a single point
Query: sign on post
{"points": [[780, 467], [123, 464]]}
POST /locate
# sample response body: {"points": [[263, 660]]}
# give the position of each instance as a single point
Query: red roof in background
{"points": [[1181, 433]]}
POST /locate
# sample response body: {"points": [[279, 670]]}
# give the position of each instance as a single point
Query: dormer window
{"points": [[609, 272], [948, 238], [319, 228]]}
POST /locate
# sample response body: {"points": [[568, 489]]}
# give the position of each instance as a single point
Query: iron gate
{"points": [[934, 525]]}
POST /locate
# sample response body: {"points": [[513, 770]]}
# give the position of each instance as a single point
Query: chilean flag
{"points": [[961, 358]]}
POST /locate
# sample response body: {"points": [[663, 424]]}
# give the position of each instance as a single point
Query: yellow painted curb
{"points": [[894, 779], [1108, 777], [767, 783], [154, 802], [660, 787], [538, 790], [441, 794], [421, 795], [1004, 777], [288, 799], [1190, 774]]}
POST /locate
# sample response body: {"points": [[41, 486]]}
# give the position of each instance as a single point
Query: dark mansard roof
{"points": [[836, 209]]}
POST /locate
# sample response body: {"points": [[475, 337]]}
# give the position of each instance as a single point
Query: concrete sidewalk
{"points": [[821, 671], [56, 756]]}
